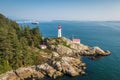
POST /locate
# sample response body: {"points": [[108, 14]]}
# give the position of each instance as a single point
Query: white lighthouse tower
{"points": [[59, 31]]}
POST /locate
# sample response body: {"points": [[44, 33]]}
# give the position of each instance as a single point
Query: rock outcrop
{"points": [[38, 71], [70, 66], [63, 58]]}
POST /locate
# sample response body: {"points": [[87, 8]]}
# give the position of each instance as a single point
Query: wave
{"points": [[115, 26]]}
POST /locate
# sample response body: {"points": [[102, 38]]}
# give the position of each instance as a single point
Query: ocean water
{"points": [[103, 34]]}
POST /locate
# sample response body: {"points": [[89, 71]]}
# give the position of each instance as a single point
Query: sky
{"points": [[80, 10]]}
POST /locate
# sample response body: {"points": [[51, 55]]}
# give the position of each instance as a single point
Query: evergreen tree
{"points": [[15, 44]]}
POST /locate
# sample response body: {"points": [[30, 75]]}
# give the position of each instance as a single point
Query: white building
{"points": [[43, 46], [76, 40], [59, 31]]}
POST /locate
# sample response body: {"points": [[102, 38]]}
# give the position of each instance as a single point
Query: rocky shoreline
{"points": [[63, 58]]}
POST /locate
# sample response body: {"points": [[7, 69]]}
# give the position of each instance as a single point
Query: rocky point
{"points": [[63, 57]]}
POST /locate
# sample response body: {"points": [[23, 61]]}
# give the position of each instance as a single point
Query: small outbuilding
{"points": [[76, 40], [43, 46]]}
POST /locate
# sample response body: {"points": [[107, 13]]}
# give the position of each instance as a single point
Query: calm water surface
{"points": [[103, 34]]}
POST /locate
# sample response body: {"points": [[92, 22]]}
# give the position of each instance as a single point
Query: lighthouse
{"points": [[59, 31]]}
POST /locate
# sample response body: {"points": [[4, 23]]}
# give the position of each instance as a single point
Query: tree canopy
{"points": [[15, 42]]}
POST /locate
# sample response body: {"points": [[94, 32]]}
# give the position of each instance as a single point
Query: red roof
{"points": [[76, 40], [59, 26]]}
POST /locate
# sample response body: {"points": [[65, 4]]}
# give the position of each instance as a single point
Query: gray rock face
{"points": [[95, 52], [47, 69], [99, 51], [55, 54], [70, 66], [63, 50], [9, 76], [39, 71]]}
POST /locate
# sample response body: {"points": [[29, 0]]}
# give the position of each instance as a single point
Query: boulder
{"points": [[57, 74], [38, 74], [24, 72], [47, 68], [97, 50], [9, 76], [55, 54]]}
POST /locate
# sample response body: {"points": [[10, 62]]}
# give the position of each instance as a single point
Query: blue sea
{"points": [[105, 34]]}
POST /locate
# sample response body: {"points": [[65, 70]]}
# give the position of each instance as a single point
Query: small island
{"points": [[24, 53]]}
